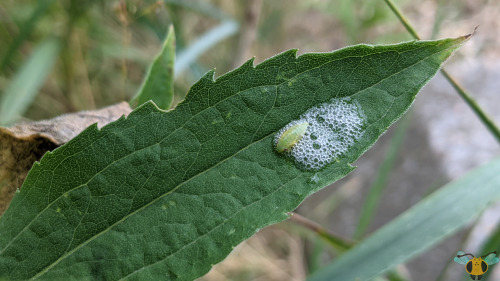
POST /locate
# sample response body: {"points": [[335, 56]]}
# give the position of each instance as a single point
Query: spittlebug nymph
{"points": [[322, 135], [291, 136]]}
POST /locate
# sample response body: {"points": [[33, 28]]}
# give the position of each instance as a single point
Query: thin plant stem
{"points": [[469, 100], [487, 121], [402, 19], [335, 240]]}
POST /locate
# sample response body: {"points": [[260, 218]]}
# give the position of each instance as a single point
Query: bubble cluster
{"points": [[333, 128]]}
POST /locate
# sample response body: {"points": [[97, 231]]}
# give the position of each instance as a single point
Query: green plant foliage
{"points": [[204, 43], [27, 82], [188, 54], [158, 85], [424, 225], [168, 194], [42, 6]]}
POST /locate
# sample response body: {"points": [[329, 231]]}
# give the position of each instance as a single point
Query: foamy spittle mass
{"points": [[333, 128]]}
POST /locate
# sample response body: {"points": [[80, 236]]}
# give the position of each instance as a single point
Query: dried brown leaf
{"points": [[23, 144]]}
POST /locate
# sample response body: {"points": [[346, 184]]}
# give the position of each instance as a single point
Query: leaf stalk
{"points": [[333, 239]]}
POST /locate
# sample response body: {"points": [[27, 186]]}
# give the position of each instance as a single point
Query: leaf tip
{"points": [[170, 28], [170, 39], [468, 36]]}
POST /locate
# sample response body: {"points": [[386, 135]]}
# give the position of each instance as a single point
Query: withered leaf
{"points": [[23, 144]]}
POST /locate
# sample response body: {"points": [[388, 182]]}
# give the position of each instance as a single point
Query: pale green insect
{"points": [[291, 136]]}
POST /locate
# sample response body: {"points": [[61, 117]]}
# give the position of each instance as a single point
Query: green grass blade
{"points": [[203, 44], [402, 19], [25, 30], [476, 108], [158, 84], [439, 17], [422, 226], [27, 82], [394, 275], [315, 258]]}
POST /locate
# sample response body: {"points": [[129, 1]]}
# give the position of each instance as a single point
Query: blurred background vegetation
{"points": [[102, 48], [66, 56]]}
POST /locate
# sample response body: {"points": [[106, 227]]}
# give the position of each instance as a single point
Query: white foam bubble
{"points": [[333, 128]]}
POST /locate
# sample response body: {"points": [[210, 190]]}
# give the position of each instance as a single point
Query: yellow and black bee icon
{"points": [[476, 266]]}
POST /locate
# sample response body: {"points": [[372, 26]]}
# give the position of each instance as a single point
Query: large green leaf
{"points": [[167, 194], [424, 225]]}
